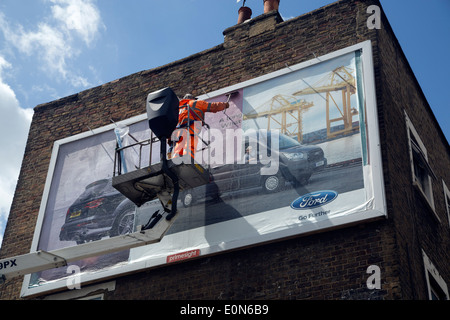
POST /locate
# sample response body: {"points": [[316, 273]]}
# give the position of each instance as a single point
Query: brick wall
{"points": [[324, 266], [416, 227], [329, 265]]}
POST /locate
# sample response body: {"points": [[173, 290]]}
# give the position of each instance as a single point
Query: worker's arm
{"points": [[212, 106]]}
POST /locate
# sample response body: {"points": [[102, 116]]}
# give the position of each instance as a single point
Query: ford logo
{"points": [[314, 200]]}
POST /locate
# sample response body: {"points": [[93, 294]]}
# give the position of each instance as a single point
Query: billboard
{"points": [[296, 152]]}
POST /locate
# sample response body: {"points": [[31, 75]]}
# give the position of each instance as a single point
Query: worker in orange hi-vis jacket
{"points": [[191, 110]]}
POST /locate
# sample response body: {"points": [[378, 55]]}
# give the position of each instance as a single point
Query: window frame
{"points": [[447, 200], [419, 161], [436, 285], [92, 292]]}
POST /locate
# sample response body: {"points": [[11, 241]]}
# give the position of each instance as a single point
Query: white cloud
{"points": [[54, 41], [14, 126], [79, 15], [50, 43], [53, 44]]}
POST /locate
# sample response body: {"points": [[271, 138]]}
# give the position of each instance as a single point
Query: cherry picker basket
{"points": [[146, 180]]}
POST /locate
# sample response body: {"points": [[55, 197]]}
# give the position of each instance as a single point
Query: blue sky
{"points": [[53, 48]]}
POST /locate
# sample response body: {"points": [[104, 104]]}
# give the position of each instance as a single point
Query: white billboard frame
{"points": [[373, 173]]}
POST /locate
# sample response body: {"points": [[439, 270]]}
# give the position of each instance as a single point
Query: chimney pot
{"points": [[245, 13], [270, 5]]}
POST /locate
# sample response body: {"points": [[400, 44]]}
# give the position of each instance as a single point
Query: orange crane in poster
{"points": [[283, 112], [340, 79]]}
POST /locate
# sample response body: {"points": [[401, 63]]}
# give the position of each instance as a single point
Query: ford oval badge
{"points": [[314, 200]]}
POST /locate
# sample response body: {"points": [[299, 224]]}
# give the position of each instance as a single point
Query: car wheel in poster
{"points": [[273, 183], [188, 199], [124, 223]]}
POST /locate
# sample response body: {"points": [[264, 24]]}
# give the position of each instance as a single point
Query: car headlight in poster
{"points": [[296, 152]]}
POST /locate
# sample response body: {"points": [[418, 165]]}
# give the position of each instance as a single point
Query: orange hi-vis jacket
{"points": [[191, 111]]}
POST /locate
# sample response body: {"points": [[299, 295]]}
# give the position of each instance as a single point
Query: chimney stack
{"points": [[245, 13], [270, 5]]}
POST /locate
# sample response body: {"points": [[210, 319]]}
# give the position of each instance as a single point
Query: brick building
{"points": [[410, 244]]}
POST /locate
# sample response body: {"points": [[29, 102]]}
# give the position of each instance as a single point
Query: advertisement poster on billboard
{"points": [[296, 152]]}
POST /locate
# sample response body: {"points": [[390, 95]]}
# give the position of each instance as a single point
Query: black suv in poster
{"points": [[98, 212]]}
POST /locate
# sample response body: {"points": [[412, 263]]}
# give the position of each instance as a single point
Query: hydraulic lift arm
{"points": [[42, 260]]}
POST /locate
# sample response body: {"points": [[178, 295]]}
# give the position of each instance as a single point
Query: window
{"points": [[93, 297], [93, 292], [435, 291], [437, 288], [447, 200], [422, 173]]}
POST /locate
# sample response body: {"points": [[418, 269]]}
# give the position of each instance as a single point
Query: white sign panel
{"points": [[297, 152]]}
